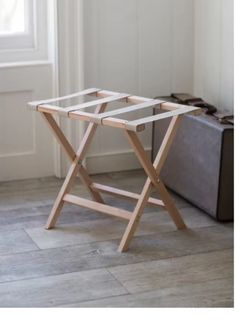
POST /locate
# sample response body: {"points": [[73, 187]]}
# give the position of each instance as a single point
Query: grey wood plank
{"points": [[26, 205], [216, 293], [19, 187], [36, 217], [104, 254], [42, 192], [59, 289], [38, 192], [35, 214], [134, 181], [110, 228], [175, 272], [16, 242], [33, 197]]}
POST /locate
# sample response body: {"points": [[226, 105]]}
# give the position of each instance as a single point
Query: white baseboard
{"points": [[113, 162]]}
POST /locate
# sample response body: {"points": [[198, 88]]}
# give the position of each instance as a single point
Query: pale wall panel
{"points": [[213, 69], [26, 145], [16, 137], [227, 56], [138, 47]]}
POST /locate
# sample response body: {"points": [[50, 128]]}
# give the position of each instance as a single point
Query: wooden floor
{"points": [[77, 264]]}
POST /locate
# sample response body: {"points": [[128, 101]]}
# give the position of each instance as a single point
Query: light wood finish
{"points": [[125, 194], [106, 93], [67, 185], [137, 99], [153, 178], [52, 124], [106, 96], [169, 106], [135, 218], [132, 125], [142, 156], [111, 122], [120, 123], [73, 170], [170, 206], [166, 143], [103, 208], [129, 99], [109, 99], [85, 178], [89, 91], [100, 117], [49, 109], [81, 115], [64, 143]]}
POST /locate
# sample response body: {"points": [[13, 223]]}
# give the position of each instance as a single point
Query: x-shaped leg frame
{"points": [[153, 181], [152, 170]]}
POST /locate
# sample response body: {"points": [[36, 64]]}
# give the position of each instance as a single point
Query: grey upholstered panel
{"points": [[193, 166]]}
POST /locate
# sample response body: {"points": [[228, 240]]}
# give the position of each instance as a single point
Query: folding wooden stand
{"points": [[100, 117]]}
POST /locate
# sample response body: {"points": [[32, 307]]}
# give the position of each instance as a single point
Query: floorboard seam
{"points": [[97, 299], [38, 248], [131, 294], [118, 281], [52, 275], [110, 266], [97, 242], [168, 287], [118, 239]]}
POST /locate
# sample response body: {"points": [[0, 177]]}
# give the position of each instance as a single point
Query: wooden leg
{"points": [[67, 185], [152, 171], [134, 221], [87, 181], [64, 143], [58, 134], [170, 206], [76, 166]]}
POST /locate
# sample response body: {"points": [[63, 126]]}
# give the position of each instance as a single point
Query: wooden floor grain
{"points": [[77, 263]]}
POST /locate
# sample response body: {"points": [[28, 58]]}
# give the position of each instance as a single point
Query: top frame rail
{"points": [[111, 118]]}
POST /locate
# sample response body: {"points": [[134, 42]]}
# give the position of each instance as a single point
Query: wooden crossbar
{"points": [[130, 128], [132, 125], [130, 99], [108, 118], [125, 194], [121, 123], [89, 91], [99, 118], [95, 206], [109, 99]]}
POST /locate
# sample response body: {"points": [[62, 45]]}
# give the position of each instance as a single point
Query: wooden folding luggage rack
{"points": [[111, 118]]}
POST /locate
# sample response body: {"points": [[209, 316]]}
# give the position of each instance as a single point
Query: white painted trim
{"points": [[113, 162], [25, 64], [70, 66], [65, 55], [80, 127], [25, 39], [53, 56], [31, 45]]}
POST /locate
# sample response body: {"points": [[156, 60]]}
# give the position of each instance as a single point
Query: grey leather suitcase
{"points": [[199, 166]]}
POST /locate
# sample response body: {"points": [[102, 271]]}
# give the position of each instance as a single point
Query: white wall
{"points": [[213, 69], [144, 47]]}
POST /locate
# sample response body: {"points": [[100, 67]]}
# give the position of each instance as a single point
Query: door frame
{"points": [[68, 60]]}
